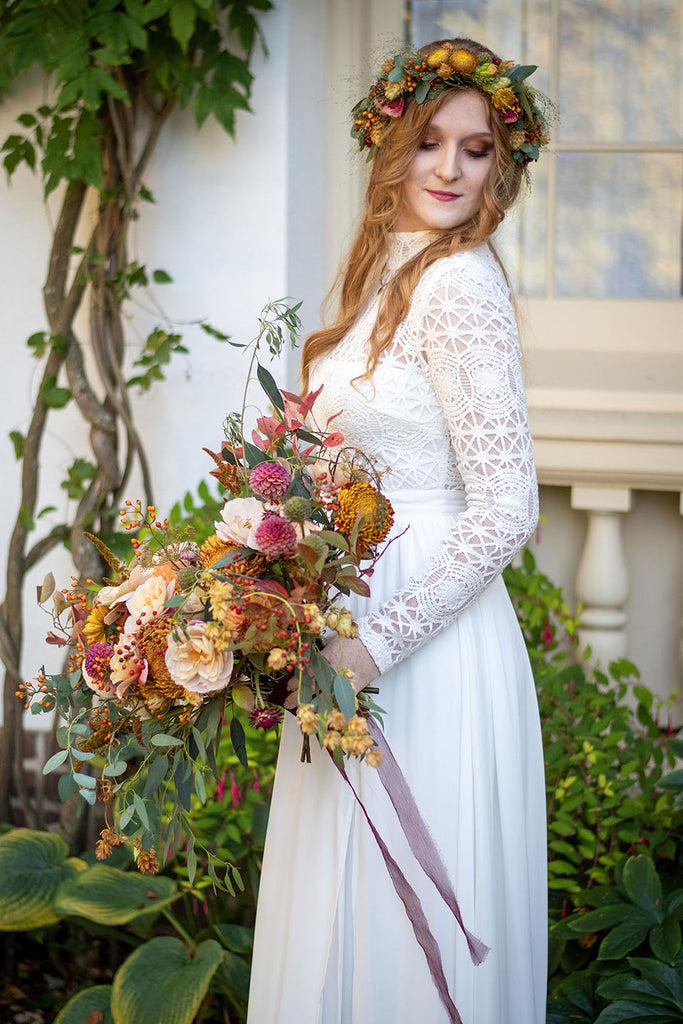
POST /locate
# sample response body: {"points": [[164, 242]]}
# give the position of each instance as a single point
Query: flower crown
{"points": [[424, 76]]}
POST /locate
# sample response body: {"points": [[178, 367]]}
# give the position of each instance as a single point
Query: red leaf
{"points": [[333, 440]]}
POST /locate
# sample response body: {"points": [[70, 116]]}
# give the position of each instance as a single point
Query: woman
{"points": [[423, 361]]}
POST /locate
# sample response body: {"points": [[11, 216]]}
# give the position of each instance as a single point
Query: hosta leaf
{"points": [[85, 1004], [110, 896], [33, 865], [603, 917], [161, 981]]}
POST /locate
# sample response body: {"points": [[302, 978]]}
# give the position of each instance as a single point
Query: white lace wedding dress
{"points": [[445, 410]]}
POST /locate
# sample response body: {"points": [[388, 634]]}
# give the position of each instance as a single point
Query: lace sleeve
{"points": [[471, 349]]}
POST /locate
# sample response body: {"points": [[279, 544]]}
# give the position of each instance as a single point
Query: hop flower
{"points": [[270, 480], [373, 757], [388, 66], [146, 861], [336, 720], [308, 719], [363, 501], [277, 660], [462, 61], [357, 726], [265, 718], [275, 536], [314, 618], [332, 740], [444, 70], [108, 839]]}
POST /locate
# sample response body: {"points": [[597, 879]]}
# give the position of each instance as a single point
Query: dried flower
{"points": [[275, 536], [332, 740], [308, 719], [96, 667], [373, 757], [146, 861], [108, 839], [278, 660], [314, 618], [336, 720], [462, 61], [361, 501], [94, 631], [270, 480], [265, 718]]}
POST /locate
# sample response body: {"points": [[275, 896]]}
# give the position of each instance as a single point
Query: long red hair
{"points": [[370, 248]]}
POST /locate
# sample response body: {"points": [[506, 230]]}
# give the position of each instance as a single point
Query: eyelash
{"points": [[476, 153]]}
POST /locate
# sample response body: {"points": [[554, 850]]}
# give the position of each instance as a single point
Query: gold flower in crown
{"points": [[419, 77]]}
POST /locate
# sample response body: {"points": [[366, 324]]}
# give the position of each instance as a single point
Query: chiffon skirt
{"points": [[333, 944]]}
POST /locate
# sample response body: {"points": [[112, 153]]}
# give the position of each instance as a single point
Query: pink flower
{"points": [[509, 116], [270, 480], [393, 108], [96, 667], [275, 536], [265, 718]]}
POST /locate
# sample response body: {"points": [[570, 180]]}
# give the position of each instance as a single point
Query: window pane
{"points": [[521, 239], [620, 70], [618, 225]]}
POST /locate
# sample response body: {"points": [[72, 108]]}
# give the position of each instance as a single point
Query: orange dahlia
{"points": [[361, 501]]}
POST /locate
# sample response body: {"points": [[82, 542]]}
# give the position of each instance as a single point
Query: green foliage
{"points": [[160, 346], [33, 867], [94, 50], [603, 764], [78, 474]]}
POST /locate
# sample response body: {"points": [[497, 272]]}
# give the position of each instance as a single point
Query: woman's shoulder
{"points": [[467, 270]]}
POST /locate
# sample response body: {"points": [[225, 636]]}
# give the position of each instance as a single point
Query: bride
{"points": [[423, 361]]}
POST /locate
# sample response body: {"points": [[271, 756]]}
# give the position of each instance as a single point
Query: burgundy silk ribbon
{"points": [[428, 857]]}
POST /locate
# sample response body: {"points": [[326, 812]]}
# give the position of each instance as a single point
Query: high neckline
{"points": [[403, 245]]}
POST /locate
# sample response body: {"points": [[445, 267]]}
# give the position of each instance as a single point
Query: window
{"points": [[604, 216]]}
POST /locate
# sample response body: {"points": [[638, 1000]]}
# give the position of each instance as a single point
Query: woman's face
{"points": [[446, 178]]}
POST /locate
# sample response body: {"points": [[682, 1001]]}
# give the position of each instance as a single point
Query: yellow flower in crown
{"points": [[505, 99], [462, 61], [360, 501], [438, 57]]}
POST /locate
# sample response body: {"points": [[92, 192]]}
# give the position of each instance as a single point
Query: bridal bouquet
{"points": [[192, 634]]}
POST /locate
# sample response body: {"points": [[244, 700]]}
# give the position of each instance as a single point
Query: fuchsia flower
{"points": [[265, 718], [96, 667], [270, 480], [275, 536]]}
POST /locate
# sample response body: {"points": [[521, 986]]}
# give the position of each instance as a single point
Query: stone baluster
{"points": [[602, 576]]}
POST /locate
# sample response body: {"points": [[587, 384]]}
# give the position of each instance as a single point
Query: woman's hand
{"points": [[348, 653]]}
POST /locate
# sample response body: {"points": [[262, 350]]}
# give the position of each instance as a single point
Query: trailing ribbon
{"points": [[428, 857], [420, 838]]}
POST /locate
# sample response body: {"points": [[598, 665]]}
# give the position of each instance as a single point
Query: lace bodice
{"points": [[445, 409]]}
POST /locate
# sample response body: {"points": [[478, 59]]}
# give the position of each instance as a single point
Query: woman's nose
{"points": [[448, 166]]}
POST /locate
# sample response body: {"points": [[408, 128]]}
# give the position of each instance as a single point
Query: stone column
{"points": [[602, 576]]}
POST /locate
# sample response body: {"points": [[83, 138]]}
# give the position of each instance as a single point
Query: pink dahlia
{"points": [[270, 480], [275, 536], [265, 718]]}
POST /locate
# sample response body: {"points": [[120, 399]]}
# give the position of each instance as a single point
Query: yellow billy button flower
{"points": [[361, 501]]}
